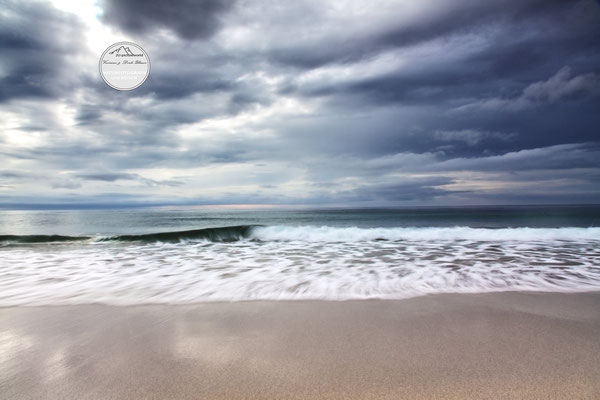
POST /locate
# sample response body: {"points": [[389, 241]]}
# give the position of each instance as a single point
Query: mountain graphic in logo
{"points": [[126, 51]]}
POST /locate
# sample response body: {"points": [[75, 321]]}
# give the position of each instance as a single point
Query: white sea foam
{"points": [[303, 263], [352, 234]]}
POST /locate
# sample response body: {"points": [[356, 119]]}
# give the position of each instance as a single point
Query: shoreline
{"points": [[494, 345], [285, 300]]}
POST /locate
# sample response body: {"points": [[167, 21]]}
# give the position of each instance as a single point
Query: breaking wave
{"points": [[251, 262], [336, 234], [326, 234]]}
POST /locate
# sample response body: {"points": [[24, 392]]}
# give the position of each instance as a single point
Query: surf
{"points": [[310, 233]]}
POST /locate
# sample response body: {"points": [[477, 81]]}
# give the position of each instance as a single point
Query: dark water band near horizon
{"points": [[184, 256]]}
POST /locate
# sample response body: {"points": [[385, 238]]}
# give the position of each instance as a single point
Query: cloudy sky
{"points": [[341, 103]]}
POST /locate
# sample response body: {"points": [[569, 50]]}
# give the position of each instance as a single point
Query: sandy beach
{"points": [[502, 345]]}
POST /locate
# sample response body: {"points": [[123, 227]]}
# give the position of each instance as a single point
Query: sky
{"points": [[307, 102]]}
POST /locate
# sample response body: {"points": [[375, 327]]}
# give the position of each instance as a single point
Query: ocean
{"points": [[188, 255]]}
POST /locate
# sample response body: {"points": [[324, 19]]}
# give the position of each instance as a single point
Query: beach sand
{"points": [[502, 345]]}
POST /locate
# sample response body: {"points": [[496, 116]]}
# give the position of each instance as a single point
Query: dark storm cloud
{"points": [[564, 85], [559, 157], [554, 109], [422, 101], [501, 68], [518, 43], [36, 42], [438, 20], [190, 19]]}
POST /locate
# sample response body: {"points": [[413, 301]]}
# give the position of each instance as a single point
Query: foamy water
{"points": [[289, 263]]}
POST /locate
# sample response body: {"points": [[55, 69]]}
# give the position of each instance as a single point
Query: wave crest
{"points": [[353, 234], [282, 233], [222, 234]]}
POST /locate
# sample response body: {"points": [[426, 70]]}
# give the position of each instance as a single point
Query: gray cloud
{"points": [[559, 157], [471, 137], [567, 156], [423, 189], [562, 85], [403, 103], [432, 21], [107, 176], [190, 19], [37, 42], [65, 184], [558, 87], [122, 176]]}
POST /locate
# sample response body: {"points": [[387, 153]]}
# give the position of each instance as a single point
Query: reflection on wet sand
{"points": [[450, 346]]}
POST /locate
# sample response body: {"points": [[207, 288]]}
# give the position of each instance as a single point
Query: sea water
{"points": [[195, 255]]}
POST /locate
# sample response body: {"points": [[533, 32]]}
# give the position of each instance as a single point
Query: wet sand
{"points": [[503, 345]]}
